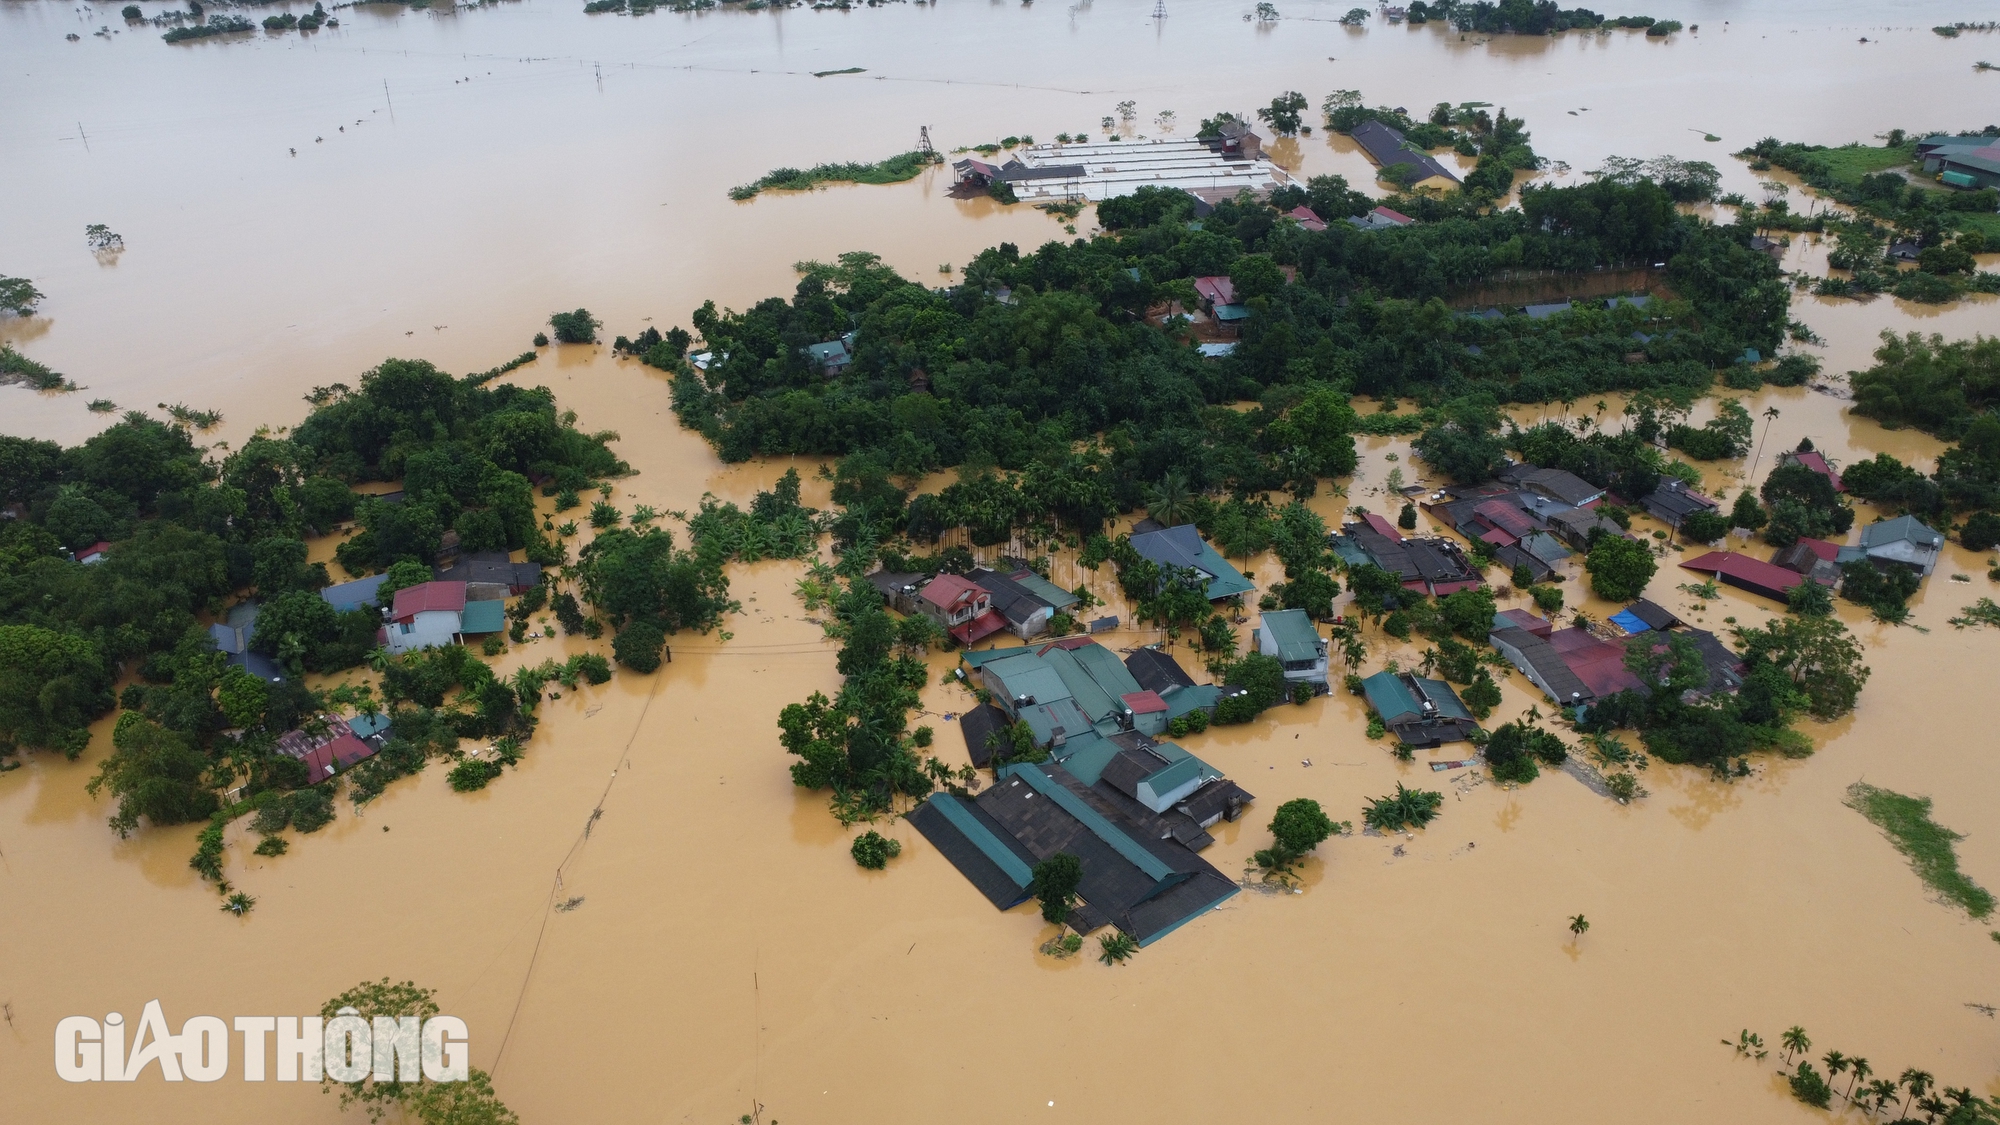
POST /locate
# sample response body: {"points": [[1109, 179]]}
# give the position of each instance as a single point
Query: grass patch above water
{"points": [[1929, 845], [894, 170]]}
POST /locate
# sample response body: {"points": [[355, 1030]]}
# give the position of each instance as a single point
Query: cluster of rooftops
{"points": [[1134, 809]]}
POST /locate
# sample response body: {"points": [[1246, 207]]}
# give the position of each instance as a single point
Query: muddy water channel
{"points": [[459, 174]]}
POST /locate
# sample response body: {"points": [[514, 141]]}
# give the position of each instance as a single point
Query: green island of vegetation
{"points": [[216, 25], [1930, 847], [1523, 17], [895, 170], [19, 296], [192, 533], [1895, 217], [16, 368]]}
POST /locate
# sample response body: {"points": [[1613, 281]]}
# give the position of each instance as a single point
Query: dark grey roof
{"points": [[973, 861], [1563, 485], [1014, 601], [1548, 664], [490, 566], [1170, 825], [890, 583], [1146, 887], [1672, 501], [1725, 668], [976, 725], [1439, 560], [1511, 557], [1653, 614], [1386, 552], [1014, 172], [1157, 671], [1216, 799], [1387, 147]]}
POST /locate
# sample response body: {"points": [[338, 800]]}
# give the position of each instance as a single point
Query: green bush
{"points": [[873, 851], [575, 327], [472, 774], [637, 646]]}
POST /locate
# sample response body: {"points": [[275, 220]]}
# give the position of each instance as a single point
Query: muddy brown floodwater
{"points": [[460, 174]]}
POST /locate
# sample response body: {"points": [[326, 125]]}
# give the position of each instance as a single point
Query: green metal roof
{"points": [[1898, 530], [1109, 671], [1086, 755], [1026, 674], [1096, 702], [1200, 697], [1391, 698], [1046, 590], [1134, 853], [982, 838], [987, 656], [1296, 636], [483, 617]]}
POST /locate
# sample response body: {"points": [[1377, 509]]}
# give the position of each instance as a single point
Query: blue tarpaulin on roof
{"points": [[1628, 622]]}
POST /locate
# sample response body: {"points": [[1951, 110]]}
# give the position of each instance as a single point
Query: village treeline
{"points": [[118, 548]]}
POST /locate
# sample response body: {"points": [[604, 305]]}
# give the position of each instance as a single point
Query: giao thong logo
{"points": [[346, 1048]]}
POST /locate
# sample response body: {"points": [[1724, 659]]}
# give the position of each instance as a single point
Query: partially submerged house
{"points": [[1182, 548], [1576, 527], [333, 747], [831, 357], [1025, 600], [1814, 460], [1146, 885], [1537, 659], [1745, 573], [1291, 636], [1381, 218], [1643, 615], [1969, 162], [1389, 150], [358, 594], [1430, 564], [231, 636], [1418, 711], [961, 606], [491, 574], [438, 613], [1817, 559], [1903, 541], [1559, 485], [1673, 501]]}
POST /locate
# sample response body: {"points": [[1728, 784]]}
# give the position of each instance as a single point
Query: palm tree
{"points": [[378, 659], [1796, 1043], [1835, 1064], [1881, 1092], [1578, 925], [1770, 416], [1168, 501], [1917, 1082], [1859, 1068]]}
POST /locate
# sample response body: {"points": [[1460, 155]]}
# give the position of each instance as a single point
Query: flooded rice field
{"points": [[459, 174]]}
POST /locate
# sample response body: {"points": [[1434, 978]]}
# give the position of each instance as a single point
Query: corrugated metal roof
{"points": [[1294, 634]]}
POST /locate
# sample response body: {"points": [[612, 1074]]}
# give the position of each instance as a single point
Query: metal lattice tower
{"points": [[924, 141], [1159, 9]]}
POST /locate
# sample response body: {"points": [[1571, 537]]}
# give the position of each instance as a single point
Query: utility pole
{"points": [[1159, 9], [924, 141]]}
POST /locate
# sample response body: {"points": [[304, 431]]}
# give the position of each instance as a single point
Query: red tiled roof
{"points": [[1521, 618], [1394, 216], [96, 548], [1755, 575], [1383, 527], [948, 590], [1143, 702], [1307, 218], [979, 628], [1812, 459], [1506, 517], [429, 597], [1220, 290], [1828, 551], [1498, 537]]}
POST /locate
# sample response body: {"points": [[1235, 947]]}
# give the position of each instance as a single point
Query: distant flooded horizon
{"points": [[459, 174]]}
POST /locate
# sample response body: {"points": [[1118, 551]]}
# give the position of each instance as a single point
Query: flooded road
{"points": [[727, 948]]}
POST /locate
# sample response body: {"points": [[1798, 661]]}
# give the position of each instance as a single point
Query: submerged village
{"points": [[1091, 558]]}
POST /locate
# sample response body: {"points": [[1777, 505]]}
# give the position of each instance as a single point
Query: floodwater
{"points": [[727, 951]]}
